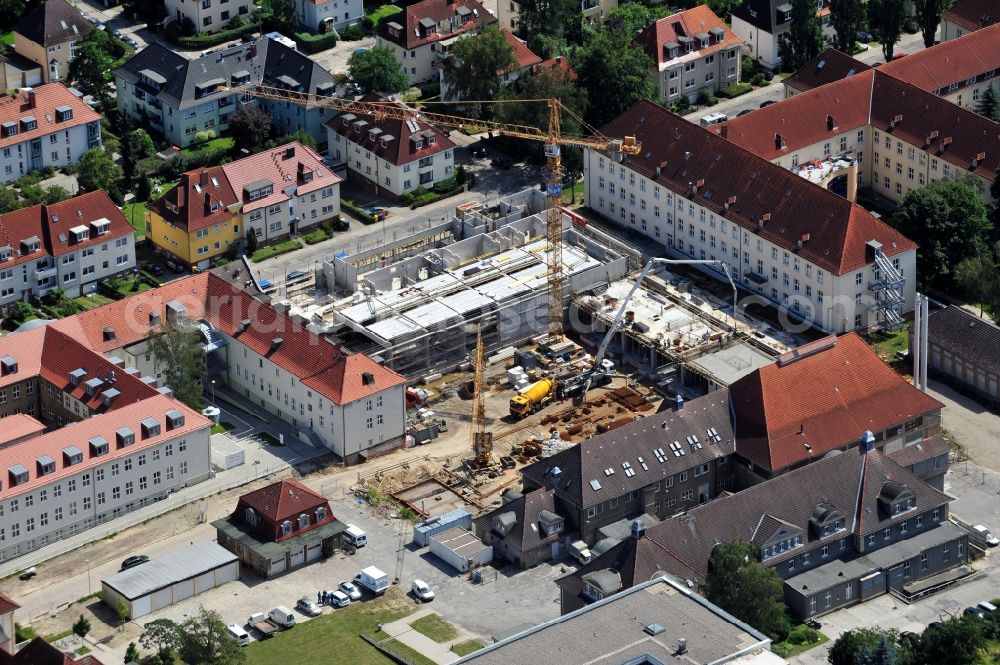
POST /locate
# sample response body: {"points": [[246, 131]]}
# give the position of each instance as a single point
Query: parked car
{"points": [[934, 625], [865, 36], [987, 607], [909, 637], [131, 42], [154, 269], [117, 33], [134, 561], [27, 574], [359, 51], [176, 267], [744, 112], [897, 56], [339, 599], [766, 103], [983, 535], [422, 591], [308, 607], [350, 590], [974, 611], [768, 75], [379, 211]]}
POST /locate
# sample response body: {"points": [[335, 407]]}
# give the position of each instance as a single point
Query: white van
{"points": [[713, 119], [282, 617], [355, 536], [238, 634]]}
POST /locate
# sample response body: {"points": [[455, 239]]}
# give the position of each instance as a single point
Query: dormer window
{"points": [[303, 521], [79, 233], [9, 128], [98, 446], [124, 437], [5, 253], [30, 245], [175, 419], [45, 464], [29, 123], [8, 366], [18, 475], [286, 527], [100, 226], [72, 455], [251, 517], [320, 514], [63, 113], [895, 498], [150, 427]]}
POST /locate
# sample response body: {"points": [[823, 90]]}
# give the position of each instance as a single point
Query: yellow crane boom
{"points": [[552, 138]]}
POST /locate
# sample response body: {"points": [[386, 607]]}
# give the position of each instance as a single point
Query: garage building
{"points": [[171, 578], [461, 550]]}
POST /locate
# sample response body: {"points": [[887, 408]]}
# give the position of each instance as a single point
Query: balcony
{"points": [[44, 272], [425, 162]]}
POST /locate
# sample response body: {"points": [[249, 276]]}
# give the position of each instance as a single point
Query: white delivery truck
{"points": [[355, 536], [237, 634], [281, 617], [580, 552], [373, 579]]}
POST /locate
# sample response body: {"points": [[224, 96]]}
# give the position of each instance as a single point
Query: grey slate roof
{"points": [[173, 567], [527, 510], [640, 439], [265, 60], [966, 336]]}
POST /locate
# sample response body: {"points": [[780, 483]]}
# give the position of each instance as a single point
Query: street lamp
{"points": [[213, 393]]}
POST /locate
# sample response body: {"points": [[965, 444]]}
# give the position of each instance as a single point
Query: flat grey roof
{"points": [[830, 575], [728, 365], [610, 632], [887, 557], [163, 571]]}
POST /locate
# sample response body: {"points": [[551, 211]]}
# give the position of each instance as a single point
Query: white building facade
{"points": [[207, 15]]}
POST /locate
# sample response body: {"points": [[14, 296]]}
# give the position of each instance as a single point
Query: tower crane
{"points": [[482, 441], [552, 138]]}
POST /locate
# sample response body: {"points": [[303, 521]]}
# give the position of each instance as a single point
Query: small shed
{"points": [[226, 453], [458, 518], [460, 549], [171, 578]]}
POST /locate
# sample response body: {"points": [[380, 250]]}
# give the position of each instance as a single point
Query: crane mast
{"points": [[482, 441], [552, 138]]}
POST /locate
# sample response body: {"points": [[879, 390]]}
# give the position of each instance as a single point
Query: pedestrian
{"points": [[319, 596]]}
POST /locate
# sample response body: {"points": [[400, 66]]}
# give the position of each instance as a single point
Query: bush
{"points": [[681, 105], [24, 633], [445, 185], [747, 68], [309, 43], [208, 39], [758, 80], [204, 135], [315, 236], [351, 34], [275, 250], [735, 90], [706, 98], [803, 635]]}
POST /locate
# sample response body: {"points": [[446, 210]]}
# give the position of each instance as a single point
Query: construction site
{"points": [[461, 309]]}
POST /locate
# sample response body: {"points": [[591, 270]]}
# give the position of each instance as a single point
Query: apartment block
{"points": [[344, 401], [893, 136], [179, 97], [273, 194], [45, 126], [793, 244], [389, 157], [87, 442], [763, 24], [207, 15], [48, 36], [965, 16], [421, 36], [692, 51], [326, 15], [71, 245]]}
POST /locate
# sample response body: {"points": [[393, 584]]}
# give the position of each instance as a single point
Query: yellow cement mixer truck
{"points": [[533, 398]]}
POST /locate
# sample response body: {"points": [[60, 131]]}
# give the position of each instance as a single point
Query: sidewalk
{"points": [[439, 652]]}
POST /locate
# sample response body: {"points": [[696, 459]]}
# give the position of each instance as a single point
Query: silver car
{"points": [[308, 607], [350, 590]]}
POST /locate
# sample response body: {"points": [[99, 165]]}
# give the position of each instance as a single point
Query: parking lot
{"points": [[502, 601]]}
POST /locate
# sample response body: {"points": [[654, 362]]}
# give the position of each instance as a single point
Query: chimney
{"points": [[779, 142], [29, 94], [830, 124], [687, 155], [276, 342], [637, 529], [724, 130], [244, 324], [729, 202], [203, 178], [678, 403], [289, 152], [367, 378], [867, 442], [554, 475], [682, 646]]}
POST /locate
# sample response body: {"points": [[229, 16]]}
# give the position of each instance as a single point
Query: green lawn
{"points": [[434, 627], [793, 647], [221, 427], [334, 637], [569, 192], [319, 234], [467, 647], [383, 12], [887, 343], [92, 301], [270, 251], [220, 143], [135, 213], [7, 38]]}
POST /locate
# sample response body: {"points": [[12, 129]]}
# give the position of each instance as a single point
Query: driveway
{"points": [[974, 427]]}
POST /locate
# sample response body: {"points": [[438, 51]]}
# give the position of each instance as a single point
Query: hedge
{"points": [[356, 212], [735, 90], [309, 43], [204, 40]]}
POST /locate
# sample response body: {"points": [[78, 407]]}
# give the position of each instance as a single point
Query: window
{"points": [[936, 516]]}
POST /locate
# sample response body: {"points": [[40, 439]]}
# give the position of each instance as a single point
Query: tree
{"points": [[847, 17], [121, 609], [92, 68], [805, 38], [738, 583], [283, 14], [97, 170], [205, 641], [631, 17], [144, 189], [614, 71], [552, 83], [178, 352], [957, 641], [541, 21], [301, 135], [948, 220], [12, 11], [886, 18], [474, 68], [989, 104], [9, 200], [132, 654], [81, 626], [250, 126], [883, 652], [928, 15], [142, 143], [127, 149], [20, 311], [378, 69], [164, 636], [846, 647], [55, 194], [251, 242], [979, 279]]}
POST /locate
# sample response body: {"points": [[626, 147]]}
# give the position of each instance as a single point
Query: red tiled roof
{"points": [[18, 426], [953, 61], [559, 64], [194, 196], [324, 367], [401, 150], [687, 23], [972, 14], [105, 425], [877, 99], [280, 501], [522, 54], [412, 35], [51, 225], [829, 66], [48, 97], [676, 154], [283, 166], [824, 399], [40, 652], [7, 605]]}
